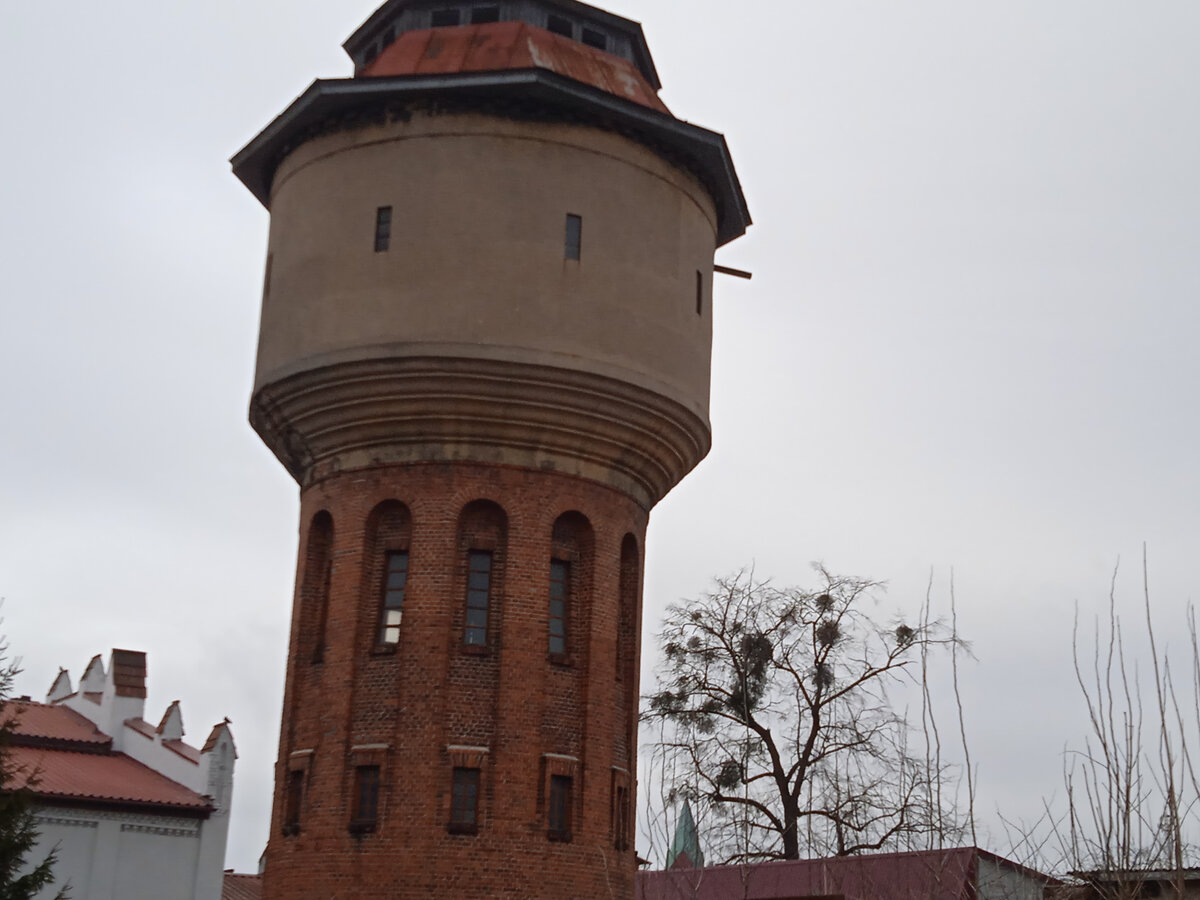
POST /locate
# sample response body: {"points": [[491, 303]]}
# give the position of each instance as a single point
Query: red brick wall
{"points": [[430, 691]]}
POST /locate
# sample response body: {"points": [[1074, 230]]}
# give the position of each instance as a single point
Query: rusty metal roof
{"points": [[510, 45], [112, 778], [385, 17]]}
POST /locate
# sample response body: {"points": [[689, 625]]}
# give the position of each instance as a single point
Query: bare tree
{"points": [[774, 719], [1133, 796]]}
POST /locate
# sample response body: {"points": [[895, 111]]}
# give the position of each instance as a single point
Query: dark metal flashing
{"points": [[702, 151], [42, 742], [366, 33]]}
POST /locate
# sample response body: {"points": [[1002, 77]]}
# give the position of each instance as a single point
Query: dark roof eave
{"points": [[254, 165]]}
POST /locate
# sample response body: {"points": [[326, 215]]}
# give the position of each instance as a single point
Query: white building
{"points": [[136, 813]]}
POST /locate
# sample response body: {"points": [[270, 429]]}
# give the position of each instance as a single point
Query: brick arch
{"points": [[388, 530], [375, 674], [477, 606], [314, 587], [572, 542], [628, 626]]}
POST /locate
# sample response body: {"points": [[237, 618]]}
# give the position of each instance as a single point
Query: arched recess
{"points": [[476, 612], [385, 576], [570, 571], [314, 588], [629, 592], [482, 545]]}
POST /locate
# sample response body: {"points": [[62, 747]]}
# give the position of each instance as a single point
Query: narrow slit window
{"points": [[292, 801], [621, 816], [464, 800], [383, 228], [479, 589], [559, 594], [560, 25], [443, 18], [481, 15], [365, 812], [574, 236], [395, 580], [699, 292], [559, 812], [594, 38]]}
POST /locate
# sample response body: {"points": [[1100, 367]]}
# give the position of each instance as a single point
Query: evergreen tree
{"points": [[18, 830]]}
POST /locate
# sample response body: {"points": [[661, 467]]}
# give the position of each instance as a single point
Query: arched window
{"points": [[627, 619], [482, 532], [389, 528], [314, 587], [570, 562]]}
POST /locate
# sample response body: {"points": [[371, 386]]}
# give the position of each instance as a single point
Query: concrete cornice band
{"points": [[436, 409]]}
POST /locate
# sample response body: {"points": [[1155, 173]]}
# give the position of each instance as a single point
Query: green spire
{"points": [[685, 846]]}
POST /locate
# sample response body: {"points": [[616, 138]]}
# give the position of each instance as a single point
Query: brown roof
{"points": [[917, 875], [241, 887], [187, 751], [39, 721], [141, 726], [498, 46], [129, 673], [102, 777]]}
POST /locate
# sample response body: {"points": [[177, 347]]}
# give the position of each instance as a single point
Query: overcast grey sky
{"points": [[970, 340]]}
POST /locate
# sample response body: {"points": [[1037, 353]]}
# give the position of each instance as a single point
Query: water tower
{"points": [[484, 357]]}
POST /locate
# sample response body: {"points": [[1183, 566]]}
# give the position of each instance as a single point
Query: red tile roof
{"points": [[36, 720], [510, 45], [102, 777], [241, 887]]}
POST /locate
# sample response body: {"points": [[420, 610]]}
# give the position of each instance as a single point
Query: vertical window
{"points": [[394, 580], [483, 14], [464, 800], [594, 38], [699, 292], [444, 17], [559, 593], [383, 228], [574, 238], [366, 799], [559, 811], [621, 818], [559, 25], [293, 797], [479, 587]]}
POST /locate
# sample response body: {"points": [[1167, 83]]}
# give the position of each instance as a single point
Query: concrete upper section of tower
{"points": [[576, 22]]}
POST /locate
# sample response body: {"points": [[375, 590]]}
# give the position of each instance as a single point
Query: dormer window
{"points": [[481, 15], [594, 38], [443, 18], [559, 25]]}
